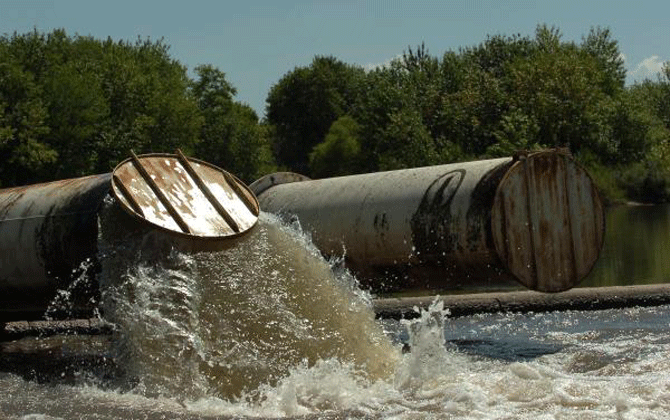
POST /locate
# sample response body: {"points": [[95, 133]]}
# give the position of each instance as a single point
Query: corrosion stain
{"points": [[68, 234], [430, 224], [380, 222]]}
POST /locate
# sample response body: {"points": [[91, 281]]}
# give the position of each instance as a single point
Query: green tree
{"points": [[304, 103], [643, 139], [662, 96], [340, 152], [600, 45], [516, 131], [88, 103], [230, 136], [409, 90], [77, 113], [23, 153], [497, 52], [406, 143], [382, 95], [558, 88]]}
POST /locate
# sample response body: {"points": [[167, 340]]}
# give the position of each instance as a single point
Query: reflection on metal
{"points": [[534, 218], [185, 196], [49, 232], [205, 190]]}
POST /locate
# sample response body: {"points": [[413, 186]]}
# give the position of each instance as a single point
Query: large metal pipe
{"points": [[49, 232], [534, 218]]}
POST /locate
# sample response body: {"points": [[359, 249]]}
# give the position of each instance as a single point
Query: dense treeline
{"points": [[506, 94], [71, 106]]}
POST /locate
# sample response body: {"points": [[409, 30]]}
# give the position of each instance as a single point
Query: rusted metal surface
{"points": [[185, 196], [554, 197], [452, 225], [49, 232], [46, 232], [277, 178], [212, 199]]}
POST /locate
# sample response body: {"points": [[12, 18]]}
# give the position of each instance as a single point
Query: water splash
{"points": [[224, 323], [78, 293], [428, 359], [269, 329]]}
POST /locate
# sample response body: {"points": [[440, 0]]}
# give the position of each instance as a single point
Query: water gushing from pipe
{"points": [[223, 323]]}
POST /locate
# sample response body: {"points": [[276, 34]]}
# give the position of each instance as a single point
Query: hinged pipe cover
{"points": [[48, 230], [184, 196]]}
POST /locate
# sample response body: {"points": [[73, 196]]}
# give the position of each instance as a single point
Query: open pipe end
{"points": [[184, 196]]}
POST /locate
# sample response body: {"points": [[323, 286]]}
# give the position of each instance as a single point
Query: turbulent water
{"points": [[268, 328]]}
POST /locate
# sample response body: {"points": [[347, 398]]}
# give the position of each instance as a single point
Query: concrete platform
{"points": [[591, 298]]}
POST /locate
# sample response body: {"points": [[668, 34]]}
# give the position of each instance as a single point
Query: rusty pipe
{"points": [[534, 218], [49, 232], [46, 232]]}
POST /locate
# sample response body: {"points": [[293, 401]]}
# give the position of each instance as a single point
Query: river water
{"points": [[636, 249], [268, 329]]}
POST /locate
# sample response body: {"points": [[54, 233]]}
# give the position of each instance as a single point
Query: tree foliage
{"points": [[72, 106], [230, 135], [23, 150], [305, 102], [505, 94], [340, 152]]}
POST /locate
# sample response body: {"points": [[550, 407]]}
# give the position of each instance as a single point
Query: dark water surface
{"points": [[636, 248]]}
